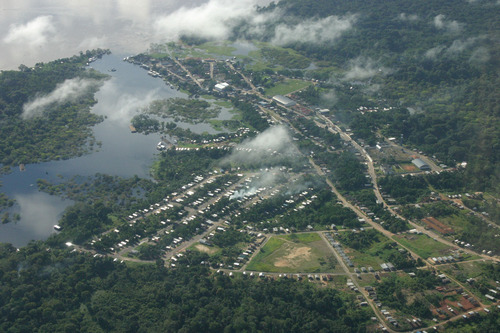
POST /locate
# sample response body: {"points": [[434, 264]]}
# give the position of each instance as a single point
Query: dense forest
{"points": [[437, 61], [53, 290], [63, 92]]}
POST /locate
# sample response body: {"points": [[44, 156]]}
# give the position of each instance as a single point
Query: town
{"points": [[256, 218]]}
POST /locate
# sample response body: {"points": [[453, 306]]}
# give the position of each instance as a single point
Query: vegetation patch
{"points": [[287, 86], [285, 57], [294, 253], [370, 248], [217, 48], [424, 246], [182, 109], [37, 129]]}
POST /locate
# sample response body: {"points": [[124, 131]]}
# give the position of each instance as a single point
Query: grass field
{"points": [[287, 87], [424, 246], [372, 256], [217, 48], [305, 252]]}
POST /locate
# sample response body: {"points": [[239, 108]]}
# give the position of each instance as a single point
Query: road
{"points": [[372, 173], [354, 280], [187, 72], [380, 198]]}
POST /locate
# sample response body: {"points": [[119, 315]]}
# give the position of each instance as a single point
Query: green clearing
{"points": [[457, 221], [224, 104], [305, 252], [221, 125], [217, 48], [284, 57], [374, 255], [423, 245], [258, 63], [286, 87]]}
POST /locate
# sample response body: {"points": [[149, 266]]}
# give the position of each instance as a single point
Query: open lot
{"points": [[286, 87], [305, 252], [210, 250], [424, 246], [373, 255]]}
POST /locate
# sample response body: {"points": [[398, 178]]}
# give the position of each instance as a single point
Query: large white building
{"points": [[221, 86], [283, 100]]}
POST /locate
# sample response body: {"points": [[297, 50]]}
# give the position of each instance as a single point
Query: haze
{"points": [[33, 31]]}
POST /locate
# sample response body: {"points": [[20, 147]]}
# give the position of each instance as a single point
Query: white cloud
{"points": [[408, 18], [452, 26], [271, 147], [120, 107], [35, 33], [315, 31], [480, 55], [458, 46], [213, 19], [69, 90], [93, 43], [434, 52], [363, 68], [216, 19]]}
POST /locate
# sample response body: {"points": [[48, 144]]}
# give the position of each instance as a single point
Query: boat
{"points": [[57, 227]]}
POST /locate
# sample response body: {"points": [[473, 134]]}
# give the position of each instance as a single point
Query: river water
{"points": [[122, 153]]}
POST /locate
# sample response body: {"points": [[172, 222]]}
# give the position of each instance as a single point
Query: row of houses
{"points": [[339, 249], [441, 260]]}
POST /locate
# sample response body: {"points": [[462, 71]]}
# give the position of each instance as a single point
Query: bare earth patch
{"points": [[294, 257], [204, 248], [409, 168]]}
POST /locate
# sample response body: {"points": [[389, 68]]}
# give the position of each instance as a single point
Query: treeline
{"points": [[250, 115], [51, 290], [413, 189], [115, 192], [346, 170]]}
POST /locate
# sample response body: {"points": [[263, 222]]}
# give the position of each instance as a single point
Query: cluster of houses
{"points": [[389, 317]]}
